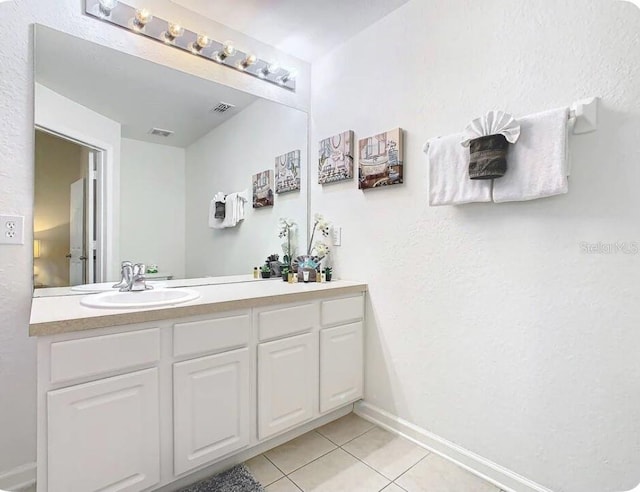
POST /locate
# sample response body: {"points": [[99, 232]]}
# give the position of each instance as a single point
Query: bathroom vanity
{"points": [[136, 399]]}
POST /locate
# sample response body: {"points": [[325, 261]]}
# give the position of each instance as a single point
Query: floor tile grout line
{"points": [[411, 468], [373, 426], [294, 484], [283, 473], [315, 459], [368, 465], [378, 471], [398, 485]]}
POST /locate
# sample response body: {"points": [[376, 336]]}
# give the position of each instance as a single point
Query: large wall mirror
{"points": [[108, 187]]}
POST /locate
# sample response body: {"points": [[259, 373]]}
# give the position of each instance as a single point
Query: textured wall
{"points": [[17, 351], [488, 326]]}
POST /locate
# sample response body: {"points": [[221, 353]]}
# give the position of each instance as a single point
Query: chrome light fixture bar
{"points": [[143, 23]]}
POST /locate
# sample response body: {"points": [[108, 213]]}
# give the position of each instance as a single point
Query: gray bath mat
{"points": [[236, 479]]}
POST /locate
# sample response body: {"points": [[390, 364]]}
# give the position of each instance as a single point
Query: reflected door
{"points": [[76, 234]]}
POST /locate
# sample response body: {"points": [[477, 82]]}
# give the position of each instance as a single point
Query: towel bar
{"points": [[585, 115]]}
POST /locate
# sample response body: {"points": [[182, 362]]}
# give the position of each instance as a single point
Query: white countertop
{"points": [[61, 314]]}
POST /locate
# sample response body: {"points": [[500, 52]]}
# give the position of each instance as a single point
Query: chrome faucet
{"points": [[126, 269], [133, 278]]}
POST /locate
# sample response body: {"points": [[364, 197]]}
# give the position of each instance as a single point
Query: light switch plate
{"points": [[336, 235], [11, 229]]}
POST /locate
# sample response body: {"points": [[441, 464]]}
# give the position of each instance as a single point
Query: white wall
{"points": [[487, 324], [66, 117], [17, 351], [225, 160], [152, 200]]}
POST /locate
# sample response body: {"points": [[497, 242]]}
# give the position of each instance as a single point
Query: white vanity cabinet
{"points": [[99, 411], [287, 383], [341, 351], [103, 435], [211, 394], [135, 407]]}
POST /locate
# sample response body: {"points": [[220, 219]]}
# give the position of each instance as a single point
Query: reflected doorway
{"points": [[64, 219]]}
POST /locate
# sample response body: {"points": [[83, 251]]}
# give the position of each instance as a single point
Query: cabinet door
{"points": [[211, 408], [104, 435], [341, 366], [287, 382]]}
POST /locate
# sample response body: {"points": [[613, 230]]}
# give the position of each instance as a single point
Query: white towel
{"points": [[449, 182], [230, 210], [538, 165], [242, 198], [233, 211]]}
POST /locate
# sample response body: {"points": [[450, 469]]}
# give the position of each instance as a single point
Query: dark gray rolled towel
{"points": [[220, 210], [488, 159]]}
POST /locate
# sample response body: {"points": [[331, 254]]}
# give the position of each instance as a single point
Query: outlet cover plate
{"points": [[11, 229]]}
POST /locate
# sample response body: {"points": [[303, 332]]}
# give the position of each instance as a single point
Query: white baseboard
{"points": [[19, 478], [483, 468]]}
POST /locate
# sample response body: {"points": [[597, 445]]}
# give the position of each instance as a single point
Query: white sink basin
{"points": [[135, 300]]}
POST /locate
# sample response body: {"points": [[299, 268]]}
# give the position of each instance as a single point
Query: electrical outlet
{"points": [[11, 229]]}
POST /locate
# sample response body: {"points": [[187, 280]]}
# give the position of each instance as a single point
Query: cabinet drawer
{"points": [[286, 321], [94, 356], [211, 335], [342, 310]]}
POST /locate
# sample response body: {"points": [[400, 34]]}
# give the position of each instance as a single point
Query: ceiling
{"points": [[306, 29], [136, 93]]}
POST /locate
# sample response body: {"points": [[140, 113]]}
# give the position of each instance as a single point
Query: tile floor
{"points": [[353, 455]]}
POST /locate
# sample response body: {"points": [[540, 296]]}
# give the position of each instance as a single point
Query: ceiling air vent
{"points": [[223, 107], [160, 132]]}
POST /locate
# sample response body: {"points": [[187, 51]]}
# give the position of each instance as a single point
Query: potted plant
{"points": [[287, 232], [316, 251], [328, 273], [285, 273], [265, 271]]}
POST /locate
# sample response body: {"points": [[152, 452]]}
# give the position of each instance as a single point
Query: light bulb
{"points": [[248, 61], [201, 43], [143, 17], [229, 49], [106, 6], [174, 31], [268, 69], [290, 75]]}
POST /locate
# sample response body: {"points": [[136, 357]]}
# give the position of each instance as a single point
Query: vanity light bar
{"points": [[143, 23]]}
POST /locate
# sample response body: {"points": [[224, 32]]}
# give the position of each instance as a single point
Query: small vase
{"points": [[265, 274], [327, 276]]}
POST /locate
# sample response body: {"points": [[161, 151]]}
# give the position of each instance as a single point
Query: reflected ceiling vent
{"points": [[223, 107], [160, 132]]}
